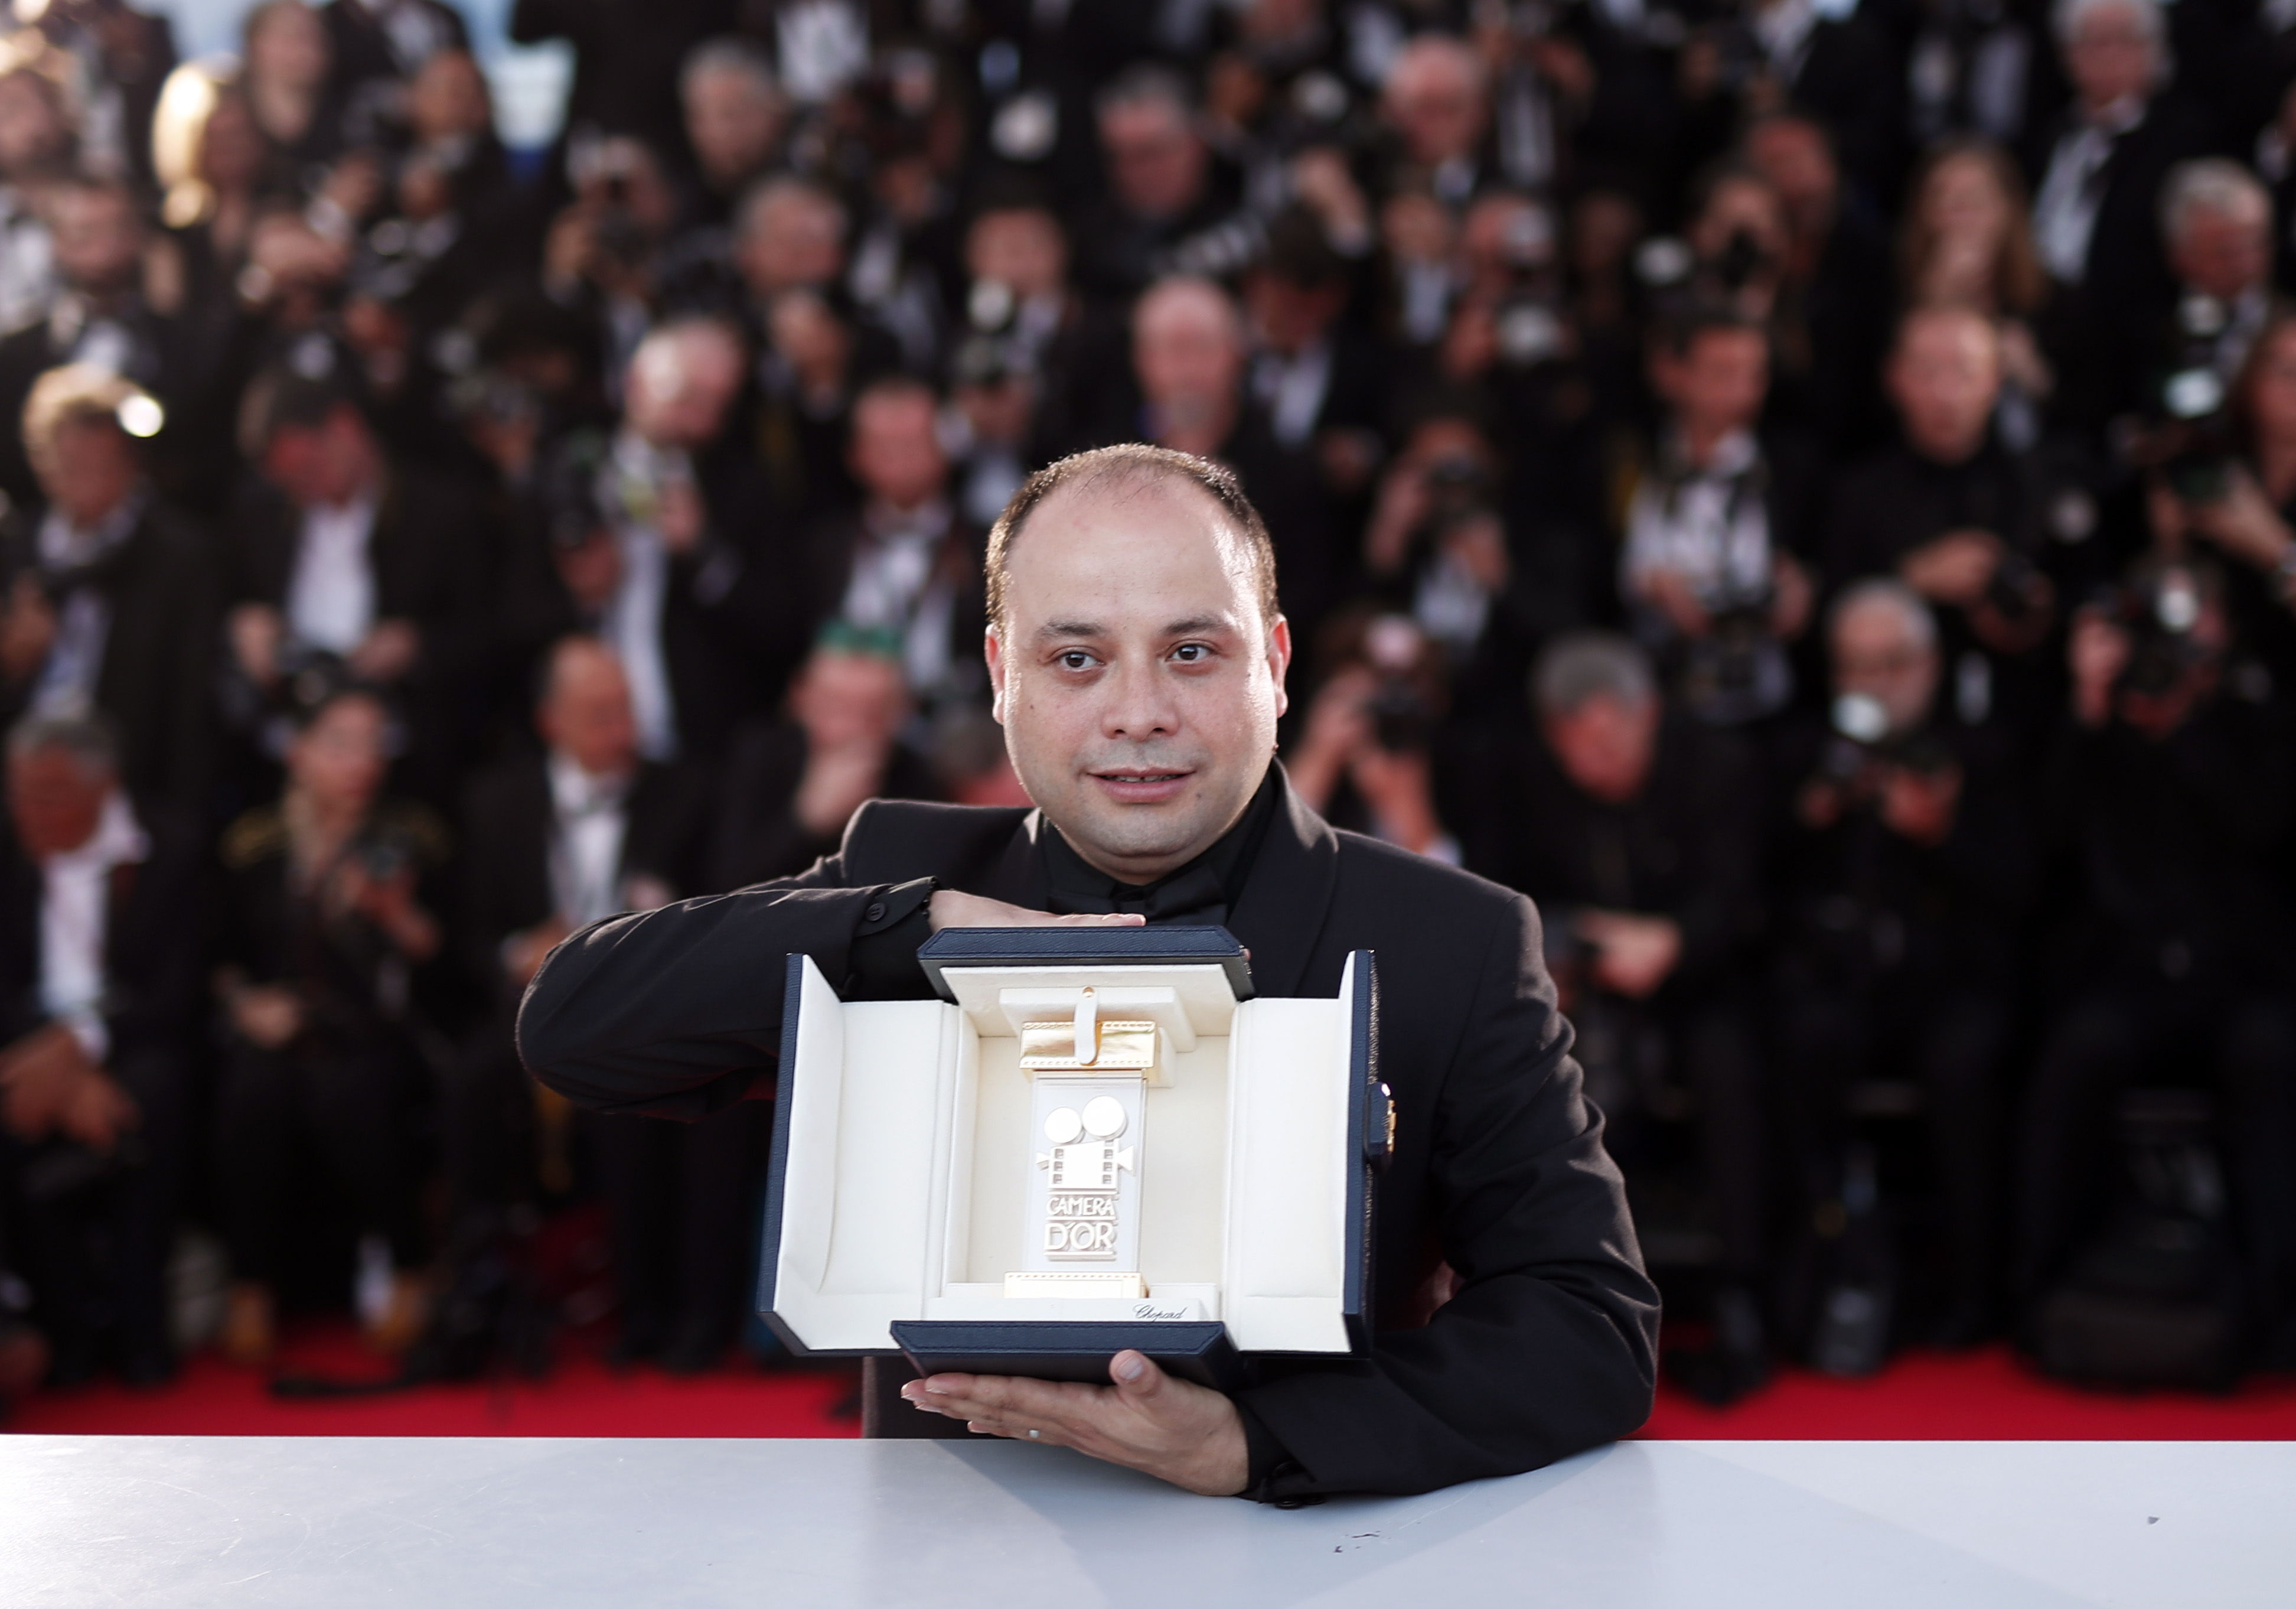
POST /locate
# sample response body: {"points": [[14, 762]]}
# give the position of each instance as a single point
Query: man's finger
{"points": [[1138, 1380]]}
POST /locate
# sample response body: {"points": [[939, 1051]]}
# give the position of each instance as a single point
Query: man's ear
{"points": [[992, 649], [1279, 660]]}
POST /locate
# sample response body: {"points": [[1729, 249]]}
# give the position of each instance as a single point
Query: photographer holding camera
{"points": [[2171, 797], [1366, 758], [1955, 514], [1903, 884], [1709, 568], [1638, 834]]}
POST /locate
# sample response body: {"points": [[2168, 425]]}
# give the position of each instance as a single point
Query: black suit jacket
{"points": [[507, 826], [156, 683], [1499, 1168], [151, 943]]}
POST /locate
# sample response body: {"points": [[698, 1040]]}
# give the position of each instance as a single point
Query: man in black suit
{"points": [[106, 598], [1138, 660], [555, 839], [99, 979], [341, 548]]}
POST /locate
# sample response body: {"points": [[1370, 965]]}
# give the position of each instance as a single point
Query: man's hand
{"points": [[1955, 568], [1171, 1429], [388, 651], [1634, 956], [267, 1015], [949, 909]]}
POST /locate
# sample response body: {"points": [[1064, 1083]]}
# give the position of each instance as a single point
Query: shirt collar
{"points": [[117, 839], [64, 545], [574, 791], [1204, 890]]}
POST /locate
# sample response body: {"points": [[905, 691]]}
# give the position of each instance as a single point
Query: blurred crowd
{"points": [[1800, 488]]}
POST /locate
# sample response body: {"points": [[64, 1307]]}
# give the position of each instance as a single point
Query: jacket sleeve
{"points": [[678, 1012], [1549, 1347]]}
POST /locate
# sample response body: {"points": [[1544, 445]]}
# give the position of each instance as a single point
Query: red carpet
{"points": [[1924, 1395]]}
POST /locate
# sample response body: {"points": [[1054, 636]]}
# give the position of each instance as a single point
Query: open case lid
{"points": [[883, 1139], [1079, 948]]}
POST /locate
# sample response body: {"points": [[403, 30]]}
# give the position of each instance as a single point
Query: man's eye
{"points": [[1189, 653], [1075, 659]]}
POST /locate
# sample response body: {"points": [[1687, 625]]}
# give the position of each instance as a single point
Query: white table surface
{"points": [[344, 1523]]}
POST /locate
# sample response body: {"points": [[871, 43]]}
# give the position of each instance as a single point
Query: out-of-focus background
{"points": [[1802, 489]]}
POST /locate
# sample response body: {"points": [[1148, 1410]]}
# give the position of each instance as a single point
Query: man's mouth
{"points": [[1141, 785]]}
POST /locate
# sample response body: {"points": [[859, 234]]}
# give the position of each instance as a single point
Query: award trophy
{"points": [[1093, 1139]]}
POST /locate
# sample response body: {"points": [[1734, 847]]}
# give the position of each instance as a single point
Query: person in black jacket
{"points": [[1903, 881], [1639, 833], [99, 984], [2171, 797], [556, 839], [106, 594], [1138, 660]]}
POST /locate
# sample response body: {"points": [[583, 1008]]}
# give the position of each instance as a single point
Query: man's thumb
{"points": [[1134, 1376]]}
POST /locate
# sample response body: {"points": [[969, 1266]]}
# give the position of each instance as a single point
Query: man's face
{"points": [[88, 469], [1876, 653], [1434, 102], [1020, 246], [588, 715], [734, 120], [791, 239], [1289, 316], [338, 758], [680, 387], [1944, 379], [32, 136], [1606, 746], [98, 243], [843, 698], [55, 800], [2226, 254], [1156, 161], [1718, 384], [1136, 680], [1185, 350], [449, 97], [1793, 157], [896, 451], [2110, 57], [324, 464]]}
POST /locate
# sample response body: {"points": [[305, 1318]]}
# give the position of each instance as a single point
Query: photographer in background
{"points": [[602, 254], [1366, 758], [1639, 833], [2170, 800], [99, 990], [1709, 567], [1902, 883], [1955, 514], [327, 933]]}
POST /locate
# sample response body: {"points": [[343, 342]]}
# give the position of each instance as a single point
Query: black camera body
{"points": [[2161, 609]]}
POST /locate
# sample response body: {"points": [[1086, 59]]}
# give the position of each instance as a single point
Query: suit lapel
{"points": [[1016, 876], [1287, 894]]}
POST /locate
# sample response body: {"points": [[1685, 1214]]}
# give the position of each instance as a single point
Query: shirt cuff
{"points": [[881, 962], [1274, 1476], [94, 1039]]}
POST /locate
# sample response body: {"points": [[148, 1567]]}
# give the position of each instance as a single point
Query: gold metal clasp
{"points": [[1088, 1043]]}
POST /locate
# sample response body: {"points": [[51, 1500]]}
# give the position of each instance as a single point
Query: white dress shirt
{"points": [[2064, 213], [331, 594], [899, 586], [1291, 387], [1711, 525], [589, 819], [635, 474], [75, 909]]}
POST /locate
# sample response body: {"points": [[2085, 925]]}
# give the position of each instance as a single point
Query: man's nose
{"points": [[1139, 705]]}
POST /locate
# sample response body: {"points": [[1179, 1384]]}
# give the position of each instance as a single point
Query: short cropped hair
{"points": [[1582, 665], [86, 738], [1127, 466], [2214, 185], [77, 393], [1883, 592]]}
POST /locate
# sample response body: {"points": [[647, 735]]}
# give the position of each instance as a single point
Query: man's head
{"points": [[1019, 246], [844, 697], [2217, 221], [310, 438], [1297, 290], [1884, 645], [1136, 652], [36, 124], [2115, 51], [1187, 349], [895, 452], [98, 235], [683, 377], [76, 435], [60, 770], [340, 750], [1157, 160], [792, 236], [285, 43], [1944, 376], [1598, 709], [1436, 99], [448, 98], [734, 109], [584, 708], [1713, 370], [1793, 153]]}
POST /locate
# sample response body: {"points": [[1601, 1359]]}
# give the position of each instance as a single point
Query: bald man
{"points": [[1188, 359]]}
